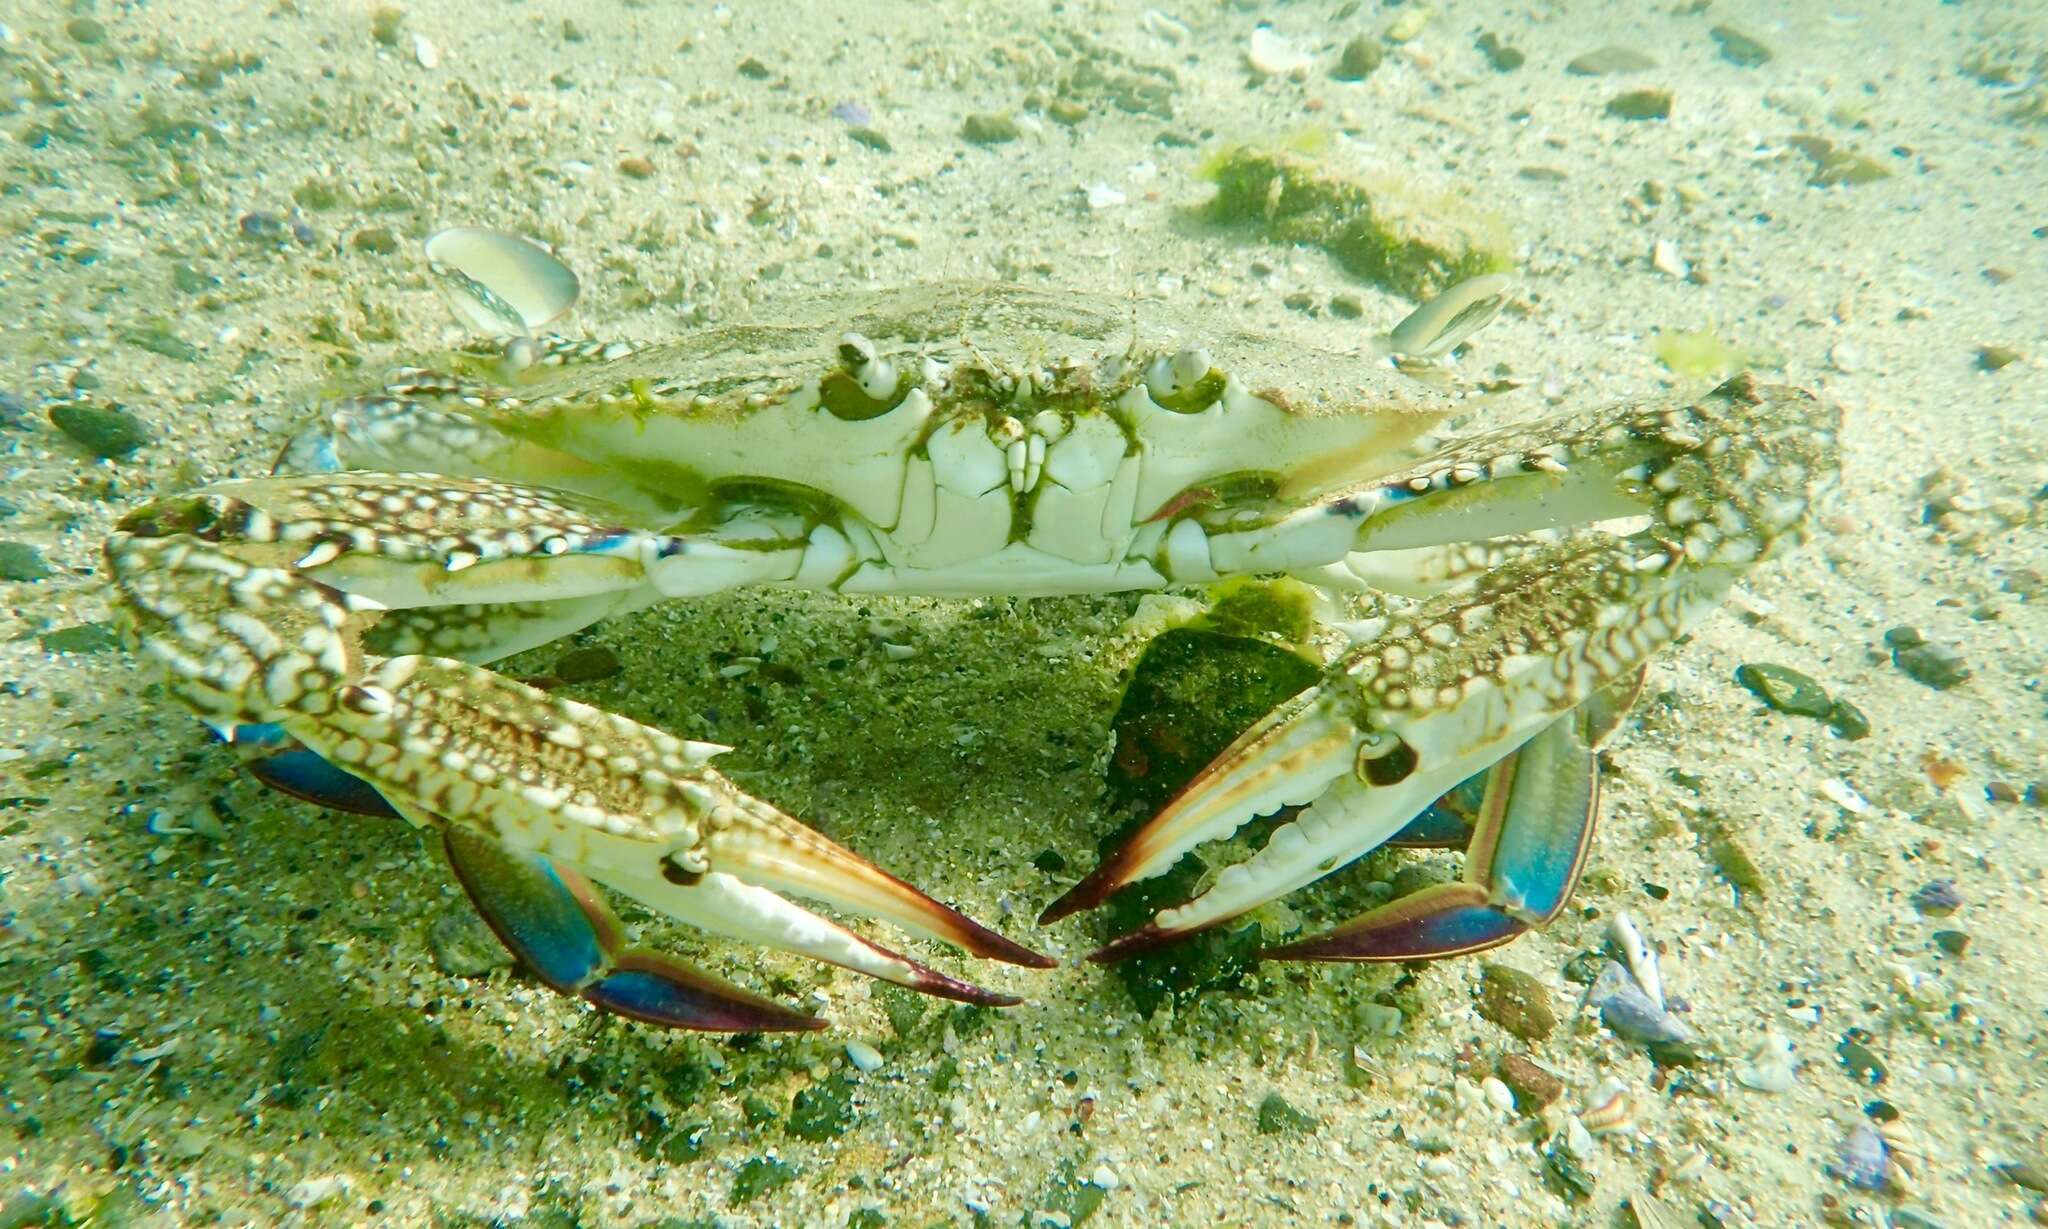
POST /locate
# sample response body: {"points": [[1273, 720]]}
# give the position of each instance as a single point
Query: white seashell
{"points": [[497, 283], [1642, 961], [1497, 1094], [1270, 55], [424, 53], [1442, 324], [1838, 792]]}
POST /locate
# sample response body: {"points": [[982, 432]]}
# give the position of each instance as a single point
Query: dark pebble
{"points": [[267, 227], [1857, 1059], [79, 638], [1784, 689], [1277, 1116], [1938, 666], [1533, 1086], [103, 430], [1347, 306], [1847, 721], [1904, 636], [1996, 791], [85, 31], [105, 1045], [587, 664], [1740, 49], [1504, 58], [377, 240], [1641, 104], [2024, 1176], [1997, 358], [753, 70], [873, 138], [22, 563], [1516, 1002], [1049, 862], [1938, 898], [989, 128], [1360, 57], [1954, 942]]}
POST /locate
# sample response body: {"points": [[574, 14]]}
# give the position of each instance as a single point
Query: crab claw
{"points": [[557, 924], [1412, 711], [1535, 824]]}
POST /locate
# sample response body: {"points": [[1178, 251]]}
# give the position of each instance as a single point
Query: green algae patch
{"points": [[1703, 354], [1193, 691], [1381, 229]]}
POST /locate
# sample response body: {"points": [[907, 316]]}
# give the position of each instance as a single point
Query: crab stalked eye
{"points": [[1384, 759]]}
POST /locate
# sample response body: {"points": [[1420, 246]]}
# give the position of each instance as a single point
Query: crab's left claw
{"points": [[559, 926]]}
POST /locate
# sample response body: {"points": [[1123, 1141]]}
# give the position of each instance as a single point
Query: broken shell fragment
{"points": [[1442, 324], [497, 283]]}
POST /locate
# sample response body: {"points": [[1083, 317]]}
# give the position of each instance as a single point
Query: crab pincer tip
{"points": [[1149, 937], [1101, 884]]}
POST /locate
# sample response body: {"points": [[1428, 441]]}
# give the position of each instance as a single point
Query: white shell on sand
{"points": [[499, 283]]}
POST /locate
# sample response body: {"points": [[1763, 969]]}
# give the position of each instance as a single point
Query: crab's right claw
{"points": [[1531, 829], [1528, 847], [558, 925]]}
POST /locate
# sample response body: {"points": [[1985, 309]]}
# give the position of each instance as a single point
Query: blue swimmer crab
{"points": [[334, 620]]}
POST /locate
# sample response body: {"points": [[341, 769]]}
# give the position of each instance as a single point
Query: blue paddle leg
{"points": [[554, 920]]}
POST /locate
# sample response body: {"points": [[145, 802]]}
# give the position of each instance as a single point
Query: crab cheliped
{"points": [[333, 620]]}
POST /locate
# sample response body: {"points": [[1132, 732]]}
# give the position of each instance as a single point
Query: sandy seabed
{"points": [[212, 215]]}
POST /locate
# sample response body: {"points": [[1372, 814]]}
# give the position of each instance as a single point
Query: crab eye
{"points": [[1384, 759]]}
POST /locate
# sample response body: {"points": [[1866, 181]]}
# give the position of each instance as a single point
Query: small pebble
{"points": [[1938, 898], [1360, 57], [103, 430], [636, 167], [1533, 1086], [1278, 1116], [864, 1056], [1347, 306], [1997, 358], [22, 563], [1516, 1002], [1271, 55], [990, 128], [852, 114], [1954, 942], [1785, 690], [1858, 1061], [1608, 60], [1740, 49], [1863, 1163], [1498, 1094], [85, 31], [1665, 259], [587, 664], [1935, 665], [1102, 196], [1641, 104], [1772, 1068], [1505, 59]]}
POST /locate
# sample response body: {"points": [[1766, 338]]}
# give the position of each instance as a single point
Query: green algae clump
{"points": [[1381, 229]]}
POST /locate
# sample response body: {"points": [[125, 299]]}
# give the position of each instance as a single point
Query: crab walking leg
{"points": [[1467, 676]]}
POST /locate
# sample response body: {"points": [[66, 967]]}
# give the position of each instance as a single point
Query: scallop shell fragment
{"points": [[499, 284]]}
